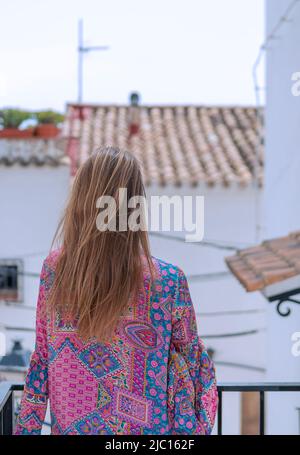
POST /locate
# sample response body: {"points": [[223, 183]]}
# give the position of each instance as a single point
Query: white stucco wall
{"points": [[32, 199], [281, 204], [229, 219]]}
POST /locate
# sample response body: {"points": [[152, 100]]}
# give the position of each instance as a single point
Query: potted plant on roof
{"points": [[48, 122], [10, 122]]}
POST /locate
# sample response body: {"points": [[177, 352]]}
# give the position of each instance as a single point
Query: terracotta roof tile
{"points": [[175, 144], [271, 262]]}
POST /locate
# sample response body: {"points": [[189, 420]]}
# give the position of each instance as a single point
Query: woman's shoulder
{"points": [[51, 260], [167, 268]]}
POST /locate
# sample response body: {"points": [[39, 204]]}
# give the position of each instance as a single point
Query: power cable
{"points": [[239, 365], [228, 313], [234, 334], [206, 243], [209, 276]]}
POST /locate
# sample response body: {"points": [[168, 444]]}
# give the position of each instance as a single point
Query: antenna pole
{"points": [[81, 50], [80, 60]]}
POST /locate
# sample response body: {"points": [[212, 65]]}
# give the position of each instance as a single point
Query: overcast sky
{"points": [[171, 51]]}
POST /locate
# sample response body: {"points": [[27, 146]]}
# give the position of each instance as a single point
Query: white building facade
{"points": [[281, 202], [34, 183]]}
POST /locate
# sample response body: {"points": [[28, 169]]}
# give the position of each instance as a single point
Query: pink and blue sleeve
{"points": [[35, 396], [193, 396]]}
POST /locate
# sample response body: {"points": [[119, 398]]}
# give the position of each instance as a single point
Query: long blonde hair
{"points": [[97, 272]]}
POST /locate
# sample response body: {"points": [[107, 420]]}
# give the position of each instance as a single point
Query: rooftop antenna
{"points": [[81, 51]]}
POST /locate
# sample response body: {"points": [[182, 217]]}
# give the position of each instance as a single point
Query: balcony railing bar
{"points": [[260, 387], [7, 408], [261, 412], [220, 409]]}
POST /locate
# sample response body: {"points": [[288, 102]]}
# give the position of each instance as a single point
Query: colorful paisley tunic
{"points": [[154, 377]]}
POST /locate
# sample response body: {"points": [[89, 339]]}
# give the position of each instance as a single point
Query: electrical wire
{"points": [[28, 255], [29, 274], [209, 276], [228, 312], [17, 329], [17, 305], [284, 18], [206, 243], [239, 365], [234, 334]]}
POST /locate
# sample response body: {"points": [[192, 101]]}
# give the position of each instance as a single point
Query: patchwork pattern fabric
{"points": [[99, 360], [92, 424], [132, 407], [154, 377], [142, 335]]}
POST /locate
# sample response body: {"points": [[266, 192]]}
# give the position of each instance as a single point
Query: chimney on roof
{"points": [[134, 114], [134, 98], [17, 357]]}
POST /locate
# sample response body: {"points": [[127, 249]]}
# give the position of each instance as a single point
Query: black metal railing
{"points": [[7, 400], [261, 388], [7, 406]]}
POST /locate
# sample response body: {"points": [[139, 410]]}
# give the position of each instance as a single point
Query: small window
{"points": [[10, 281]]}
